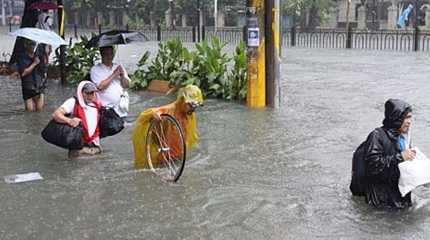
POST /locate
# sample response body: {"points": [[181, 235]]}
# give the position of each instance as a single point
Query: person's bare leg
{"points": [[29, 105], [40, 102]]}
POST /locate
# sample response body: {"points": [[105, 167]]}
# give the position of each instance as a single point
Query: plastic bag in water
{"points": [[26, 177], [414, 173]]}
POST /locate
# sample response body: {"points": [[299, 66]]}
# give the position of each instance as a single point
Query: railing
{"points": [[232, 35], [159, 34], [384, 40], [321, 38], [185, 34], [398, 40]]}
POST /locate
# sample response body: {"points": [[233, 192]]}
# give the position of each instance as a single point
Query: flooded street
{"points": [[256, 173]]}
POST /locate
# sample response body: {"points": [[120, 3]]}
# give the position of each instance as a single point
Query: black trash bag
{"points": [[63, 135], [110, 122]]}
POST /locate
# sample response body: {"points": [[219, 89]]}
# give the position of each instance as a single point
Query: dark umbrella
{"points": [[116, 37], [43, 6]]}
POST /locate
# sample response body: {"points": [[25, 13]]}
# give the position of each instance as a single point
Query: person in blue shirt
{"points": [[33, 82], [403, 18]]}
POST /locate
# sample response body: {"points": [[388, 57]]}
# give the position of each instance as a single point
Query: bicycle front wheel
{"points": [[166, 148]]}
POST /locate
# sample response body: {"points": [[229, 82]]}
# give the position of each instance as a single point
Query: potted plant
{"points": [[169, 59]]}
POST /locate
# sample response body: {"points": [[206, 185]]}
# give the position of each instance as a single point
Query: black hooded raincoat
{"points": [[382, 157]]}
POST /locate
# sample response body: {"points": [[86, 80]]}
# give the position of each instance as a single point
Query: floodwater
{"points": [[256, 173]]}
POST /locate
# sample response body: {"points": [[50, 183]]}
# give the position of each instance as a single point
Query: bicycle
{"points": [[166, 148]]}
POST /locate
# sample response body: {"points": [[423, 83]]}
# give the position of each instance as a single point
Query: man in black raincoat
{"points": [[386, 147]]}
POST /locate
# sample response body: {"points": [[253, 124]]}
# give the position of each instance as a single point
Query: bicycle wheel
{"points": [[166, 148]]}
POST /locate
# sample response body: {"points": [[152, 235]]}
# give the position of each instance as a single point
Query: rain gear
{"points": [[188, 122], [382, 155]]}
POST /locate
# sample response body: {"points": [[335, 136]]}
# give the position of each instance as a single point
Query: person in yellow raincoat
{"points": [[188, 99]]}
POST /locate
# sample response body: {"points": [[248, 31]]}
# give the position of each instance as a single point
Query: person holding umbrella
{"points": [[111, 79], [32, 83]]}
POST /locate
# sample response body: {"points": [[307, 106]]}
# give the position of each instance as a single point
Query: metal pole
{"points": [[293, 36], [198, 20], [201, 23], [216, 14], [273, 93], [61, 33], [159, 33], [11, 7], [347, 44], [203, 32], [173, 18], [416, 29], [3, 13], [194, 34], [256, 76]]}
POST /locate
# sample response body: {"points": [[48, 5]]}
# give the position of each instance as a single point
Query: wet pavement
{"points": [[256, 173]]}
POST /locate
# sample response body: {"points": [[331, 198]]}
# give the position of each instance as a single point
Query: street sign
{"points": [[253, 37]]}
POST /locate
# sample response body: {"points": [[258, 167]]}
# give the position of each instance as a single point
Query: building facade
{"points": [[379, 14]]}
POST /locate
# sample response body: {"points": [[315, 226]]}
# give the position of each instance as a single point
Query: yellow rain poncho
{"points": [[189, 94]]}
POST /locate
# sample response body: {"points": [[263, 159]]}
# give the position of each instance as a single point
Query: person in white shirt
{"points": [[85, 109], [111, 79]]}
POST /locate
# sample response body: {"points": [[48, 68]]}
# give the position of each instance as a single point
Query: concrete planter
{"points": [[161, 86]]}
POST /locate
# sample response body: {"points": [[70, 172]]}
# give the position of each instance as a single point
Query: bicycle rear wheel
{"points": [[166, 148]]}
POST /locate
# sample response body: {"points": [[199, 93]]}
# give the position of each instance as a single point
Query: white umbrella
{"points": [[40, 36]]}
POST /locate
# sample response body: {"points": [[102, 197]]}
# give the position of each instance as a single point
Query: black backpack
{"points": [[358, 173]]}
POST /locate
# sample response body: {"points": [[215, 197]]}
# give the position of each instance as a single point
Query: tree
{"points": [[189, 7], [318, 10], [79, 4], [142, 9]]}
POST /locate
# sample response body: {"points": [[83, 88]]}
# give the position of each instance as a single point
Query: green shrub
{"points": [[207, 67], [139, 79], [79, 60], [168, 60], [173, 63], [238, 74], [211, 64]]}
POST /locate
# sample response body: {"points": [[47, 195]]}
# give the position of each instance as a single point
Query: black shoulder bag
{"points": [[63, 135], [110, 122]]}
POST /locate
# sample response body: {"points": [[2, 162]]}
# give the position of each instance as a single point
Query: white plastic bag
{"points": [[414, 173], [26, 177], [124, 102]]}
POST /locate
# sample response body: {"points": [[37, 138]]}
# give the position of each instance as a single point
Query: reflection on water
{"points": [[256, 174]]}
